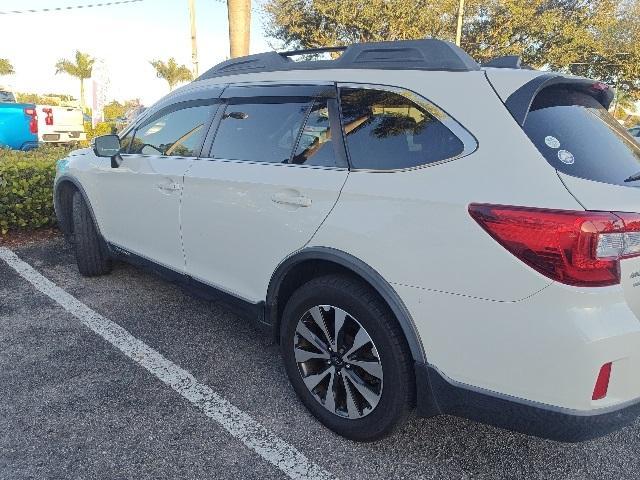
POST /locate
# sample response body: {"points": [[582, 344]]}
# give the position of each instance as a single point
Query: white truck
{"points": [[63, 124]]}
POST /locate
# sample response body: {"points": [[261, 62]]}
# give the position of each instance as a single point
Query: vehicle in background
{"points": [[7, 96], [635, 133], [18, 125], [60, 124]]}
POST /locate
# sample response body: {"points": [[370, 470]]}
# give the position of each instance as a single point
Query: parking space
{"points": [[73, 405]]}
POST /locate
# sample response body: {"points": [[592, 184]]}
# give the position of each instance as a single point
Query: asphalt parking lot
{"points": [[73, 405]]}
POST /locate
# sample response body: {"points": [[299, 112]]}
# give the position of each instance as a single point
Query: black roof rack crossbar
{"points": [[428, 54]]}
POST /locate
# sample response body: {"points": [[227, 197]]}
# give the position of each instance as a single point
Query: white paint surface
{"points": [[239, 424]]}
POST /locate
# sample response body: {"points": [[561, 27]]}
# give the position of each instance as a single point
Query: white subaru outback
{"points": [[415, 230]]}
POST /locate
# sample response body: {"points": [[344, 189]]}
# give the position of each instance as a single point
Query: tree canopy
{"points": [[171, 72], [598, 38], [80, 67], [5, 67]]}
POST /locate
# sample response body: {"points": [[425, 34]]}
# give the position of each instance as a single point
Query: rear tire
{"points": [[364, 404], [92, 254]]}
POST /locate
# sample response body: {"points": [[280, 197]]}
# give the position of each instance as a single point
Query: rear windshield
{"points": [[579, 137], [6, 97]]}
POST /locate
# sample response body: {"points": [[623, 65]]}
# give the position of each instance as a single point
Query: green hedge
{"points": [[26, 187]]}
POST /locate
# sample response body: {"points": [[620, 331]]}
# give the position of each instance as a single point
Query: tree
{"points": [[171, 72], [80, 69], [117, 111], [572, 35], [5, 67]]}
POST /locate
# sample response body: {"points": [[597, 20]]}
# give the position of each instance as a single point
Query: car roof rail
{"points": [[428, 54]]}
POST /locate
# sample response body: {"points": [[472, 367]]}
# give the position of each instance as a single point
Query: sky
{"points": [[125, 37]]}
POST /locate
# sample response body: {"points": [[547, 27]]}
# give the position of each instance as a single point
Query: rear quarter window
{"points": [[386, 131], [579, 137]]}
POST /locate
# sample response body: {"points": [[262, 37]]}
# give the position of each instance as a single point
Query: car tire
{"points": [[351, 303], [92, 254]]}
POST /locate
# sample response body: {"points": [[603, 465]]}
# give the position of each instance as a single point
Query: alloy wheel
{"points": [[338, 361]]}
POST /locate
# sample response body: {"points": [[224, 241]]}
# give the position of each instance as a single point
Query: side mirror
{"points": [[108, 146]]}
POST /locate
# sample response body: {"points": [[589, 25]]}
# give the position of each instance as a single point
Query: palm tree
{"points": [[172, 72], [5, 67], [239, 12], [81, 69]]}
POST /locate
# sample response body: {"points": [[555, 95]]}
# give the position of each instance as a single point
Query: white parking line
{"points": [[270, 447]]}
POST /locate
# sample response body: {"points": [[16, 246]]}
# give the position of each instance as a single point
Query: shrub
{"points": [[26, 187]]}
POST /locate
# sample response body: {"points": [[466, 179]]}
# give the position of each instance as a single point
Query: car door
{"points": [[140, 200], [273, 174]]}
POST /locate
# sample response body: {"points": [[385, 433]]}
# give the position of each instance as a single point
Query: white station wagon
{"points": [[414, 229]]}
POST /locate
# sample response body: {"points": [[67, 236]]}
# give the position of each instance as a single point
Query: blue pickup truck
{"points": [[18, 123]]}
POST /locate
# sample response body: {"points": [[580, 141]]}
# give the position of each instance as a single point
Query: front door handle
{"points": [[169, 187], [291, 199]]}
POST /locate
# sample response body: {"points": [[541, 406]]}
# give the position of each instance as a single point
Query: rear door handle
{"points": [[291, 199]]}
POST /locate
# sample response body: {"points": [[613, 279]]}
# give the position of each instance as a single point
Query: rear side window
{"points": [[260, 132], [315, 145], [579, 137], [385, 131], [6, 97], [177, 133]]}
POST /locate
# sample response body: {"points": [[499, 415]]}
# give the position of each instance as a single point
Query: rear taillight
{"points": [[33, 122], [572, 247], [48, 120]]}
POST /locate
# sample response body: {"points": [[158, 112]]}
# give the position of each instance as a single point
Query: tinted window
{"points": [[177, 133], [125, 142], [315, 146], [577, 136], [6, 97], [260, 132], [384, 130]]}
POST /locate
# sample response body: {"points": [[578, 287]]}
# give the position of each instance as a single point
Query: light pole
{"points": [[460, 18], [194, 45]]}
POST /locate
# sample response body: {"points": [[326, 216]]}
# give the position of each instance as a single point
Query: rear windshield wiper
{"points": [[633, 178]]}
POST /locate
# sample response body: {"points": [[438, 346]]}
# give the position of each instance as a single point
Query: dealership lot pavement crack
{"points": [[71, 406]]}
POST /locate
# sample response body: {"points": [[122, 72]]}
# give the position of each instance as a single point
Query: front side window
{"points": [[579, 137], [260, 132], [125, 142], [386, 131], [177, 133]]}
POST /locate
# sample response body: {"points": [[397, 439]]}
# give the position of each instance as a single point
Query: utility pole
{"points": [[460, 17], [194, 45], [239, 27]]}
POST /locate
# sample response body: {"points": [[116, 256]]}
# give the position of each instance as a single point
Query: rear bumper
{"points": [[63, 137], [438, 395]]}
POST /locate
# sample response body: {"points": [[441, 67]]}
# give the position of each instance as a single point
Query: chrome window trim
{"points": [[469, 142], [277, 164]]}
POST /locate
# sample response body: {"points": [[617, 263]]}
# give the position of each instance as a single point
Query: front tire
{"points": [[92, 255], [347, 358]]}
